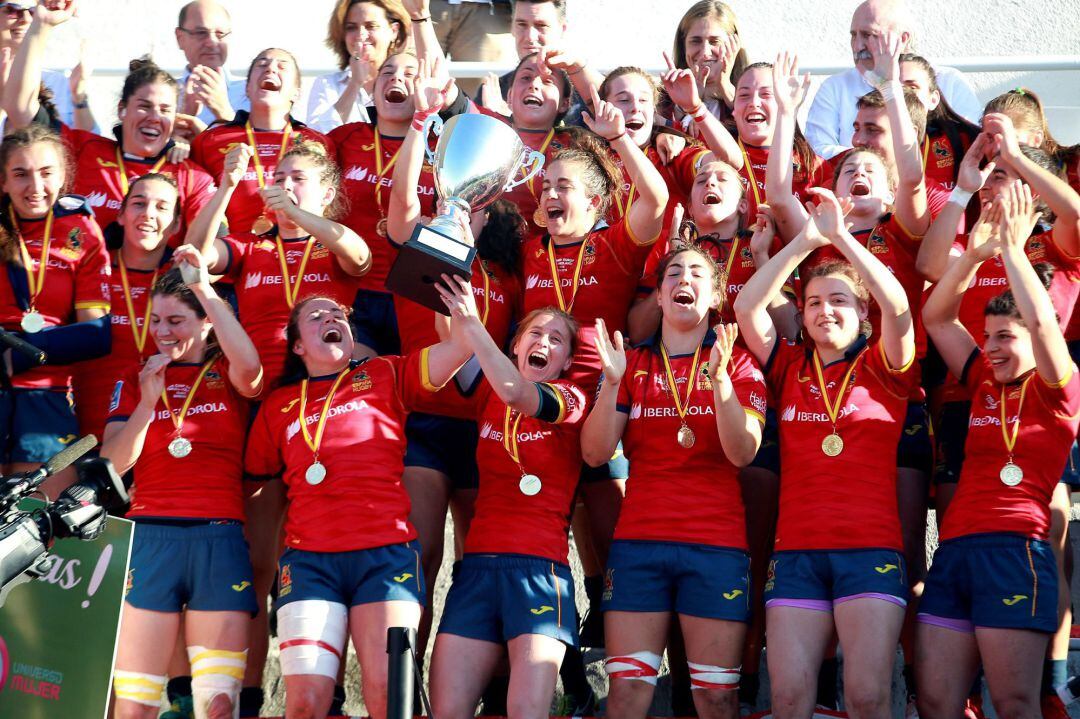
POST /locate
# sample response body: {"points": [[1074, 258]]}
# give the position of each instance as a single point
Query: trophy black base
{"points": [[421, 263]]}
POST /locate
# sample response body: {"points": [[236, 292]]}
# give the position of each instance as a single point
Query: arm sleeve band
{"points": [[67, 343], [550, 408]]}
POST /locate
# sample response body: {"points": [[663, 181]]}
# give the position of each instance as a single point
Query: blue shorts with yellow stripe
{"points": [[496, 597], [36, 424], [693, 579], [821, 579], [1003, 581], [202, 566], [361, 576]]}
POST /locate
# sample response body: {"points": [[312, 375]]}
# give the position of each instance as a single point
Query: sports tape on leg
{"points": [[214, 672], [312, 637], [642, 666], [142, 689], [707, 676]]}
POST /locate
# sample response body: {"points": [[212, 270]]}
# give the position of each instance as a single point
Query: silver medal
{"points": [[32, 322], [530, 485], [1011, 475], [180, 447], [315, 474]]}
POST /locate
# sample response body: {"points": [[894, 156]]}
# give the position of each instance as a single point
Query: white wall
{"points": [[617, 32]]}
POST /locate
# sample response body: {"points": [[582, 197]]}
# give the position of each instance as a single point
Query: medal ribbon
{"points": [[510, 443], [314, 444], [563, 305], [925, 151], [680, 406], [833, 408], [750, 173], [140, 337], [380, 171], [123, 170], [629, 200], [178, 421], [487, 293], [1010, 437], [292, 291], [286, 137], [543, 151], [35, 283]]}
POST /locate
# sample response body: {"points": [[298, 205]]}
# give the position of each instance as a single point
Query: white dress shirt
{"points": [[829, 125], [326, 90], [237, 92]]}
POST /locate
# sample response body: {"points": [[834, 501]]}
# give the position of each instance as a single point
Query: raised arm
{"points": [[740, 433], [245, 369], [790, 92], [585, 80], [350, 251], [682, 88], [1018, 218], [785, 315], [646, 216], [468, 330], [1051, 189], [934, 249], [910, 201], [202, 234], [941, 311], [20, 96], [897, 324], [604, 427]]}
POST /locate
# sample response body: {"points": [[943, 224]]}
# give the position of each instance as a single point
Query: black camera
{"points": [[80, 511]]}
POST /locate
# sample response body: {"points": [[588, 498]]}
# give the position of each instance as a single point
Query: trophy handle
{"points": [[432, 123], [529, 157]]}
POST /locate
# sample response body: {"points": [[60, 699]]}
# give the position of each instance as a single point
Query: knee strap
{"points": [[642, 666], [214, 672], [145, 689], [708, 676], [312, 637]]}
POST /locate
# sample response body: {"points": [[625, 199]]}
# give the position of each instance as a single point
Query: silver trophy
{"points": [[476, 160]]}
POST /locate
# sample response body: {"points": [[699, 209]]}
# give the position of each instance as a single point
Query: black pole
{"points": [[399, 679]]}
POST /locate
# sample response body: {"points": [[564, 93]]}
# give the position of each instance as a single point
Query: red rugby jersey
{"points": [[678, 176], [210, 147], [676, 494], [76, 277], [94, 379], [206, 484], [361, 503], [755, 162], [255, 269], [611, 266], [940, 163], [507, 521], [362, 177], [97, 177], [1048, 417], [847, 501], [416, 323]]}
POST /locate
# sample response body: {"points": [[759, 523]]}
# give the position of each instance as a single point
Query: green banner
{"points": [[58, 633]]}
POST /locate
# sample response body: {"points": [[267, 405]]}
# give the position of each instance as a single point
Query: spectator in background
{"points": [[540, 25], [469, 30], [206, 90], [68, 95], [829, 126]]}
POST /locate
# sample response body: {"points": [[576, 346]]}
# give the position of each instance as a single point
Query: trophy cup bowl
{"points": [[476, 159]]}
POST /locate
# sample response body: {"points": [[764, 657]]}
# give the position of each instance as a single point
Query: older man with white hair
{"points": [[829, 123]]}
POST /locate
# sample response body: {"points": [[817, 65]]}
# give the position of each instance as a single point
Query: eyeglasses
{"points": [[14, 8], [202, 35]]}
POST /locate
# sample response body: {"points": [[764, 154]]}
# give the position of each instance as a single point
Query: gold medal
{"points": [[316, 473], [832, 445], [1011, 475], [32, 322], [530, 485], [539, 217], [262, 225], [380, 227], [180, 447], [686, 436]]}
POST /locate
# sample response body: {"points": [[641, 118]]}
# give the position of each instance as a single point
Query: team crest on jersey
{"points": [[590, 252], [940, 149], [285, 580], [877, 244], [704, 382], [361, 381], [1036, 251], [72, 248], [770, 576], [746, 257], [318, 252], [213, 379], [609, 584]]}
